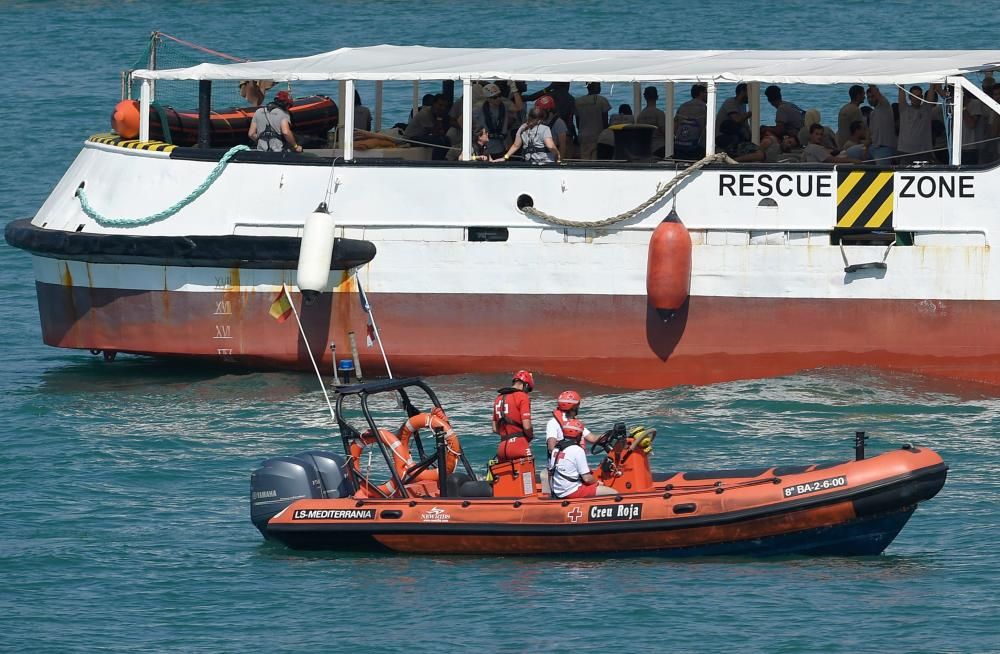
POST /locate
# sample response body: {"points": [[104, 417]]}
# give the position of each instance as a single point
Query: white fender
{"points": [[316, 251]]}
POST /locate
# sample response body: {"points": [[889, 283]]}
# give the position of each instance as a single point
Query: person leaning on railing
{"points": [[535, 139], [271, 126]]}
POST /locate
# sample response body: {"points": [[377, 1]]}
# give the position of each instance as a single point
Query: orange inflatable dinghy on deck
{"points": [[312, 116], [321, 500]]}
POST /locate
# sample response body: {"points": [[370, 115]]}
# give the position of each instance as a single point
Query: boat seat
{"points": [[479, 488]]}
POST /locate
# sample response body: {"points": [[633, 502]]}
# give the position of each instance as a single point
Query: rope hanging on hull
{"points": [[660, 194], [106, 221]]}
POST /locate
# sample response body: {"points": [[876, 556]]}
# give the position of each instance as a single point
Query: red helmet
{"points": [[573, 429], [283, 98], [545, 102], [568, 400], [525, 377]]}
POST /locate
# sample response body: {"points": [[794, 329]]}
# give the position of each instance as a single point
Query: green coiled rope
{"points": [[105, 221]]}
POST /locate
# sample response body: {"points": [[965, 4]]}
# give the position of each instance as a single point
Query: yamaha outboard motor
{"points": [[286, 479]]}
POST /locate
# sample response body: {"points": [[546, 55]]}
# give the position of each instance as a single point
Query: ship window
{"points": [[869, 237], [488, 234]]}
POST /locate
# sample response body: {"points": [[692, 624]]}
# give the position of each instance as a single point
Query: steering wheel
{"points": [[607, 442], [602, 444]]}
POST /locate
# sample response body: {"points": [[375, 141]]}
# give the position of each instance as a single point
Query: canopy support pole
{"points": [[416, 97], [710, 119], [349, 121], [668, 128], [754, 90], [978, 93], [636, 99], [956, 126], [144, 110], [466, 119], [341, 105], [378, 106], [205, 113]]}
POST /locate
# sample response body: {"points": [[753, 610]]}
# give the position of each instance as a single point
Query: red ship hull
{"points": [[612, 340]]}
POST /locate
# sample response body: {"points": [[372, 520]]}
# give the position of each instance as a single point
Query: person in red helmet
{"points": [[569, 473], [512, 417], [567, 408], [271, 126], [558, 127]]}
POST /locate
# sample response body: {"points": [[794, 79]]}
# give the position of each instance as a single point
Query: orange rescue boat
{"points": [[326, 501]]}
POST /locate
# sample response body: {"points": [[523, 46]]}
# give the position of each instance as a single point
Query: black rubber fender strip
{"points": [[229, 251]]}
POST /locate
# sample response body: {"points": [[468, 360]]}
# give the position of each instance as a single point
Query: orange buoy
{"points": [[125, 119], [668, 268]]}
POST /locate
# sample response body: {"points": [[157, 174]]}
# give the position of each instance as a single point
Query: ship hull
{"points": [[466, 283], [614, 340]]}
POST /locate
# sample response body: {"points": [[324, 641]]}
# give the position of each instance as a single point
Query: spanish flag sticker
{"points": [[281, 308]]}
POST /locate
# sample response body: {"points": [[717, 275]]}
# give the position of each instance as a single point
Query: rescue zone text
{"points": [[822, 185]]}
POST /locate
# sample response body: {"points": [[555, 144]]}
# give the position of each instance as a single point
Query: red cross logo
{"points": [[575, 514]]}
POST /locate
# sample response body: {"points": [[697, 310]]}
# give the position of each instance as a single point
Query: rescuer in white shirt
{"points": [[569, 473], [567, 408]]}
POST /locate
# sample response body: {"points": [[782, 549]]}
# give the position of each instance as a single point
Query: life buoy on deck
{"points": [[668, 267], [400, 458], [433, 420]]}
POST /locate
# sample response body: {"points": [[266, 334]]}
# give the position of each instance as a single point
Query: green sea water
{"points": [[124, 486]]}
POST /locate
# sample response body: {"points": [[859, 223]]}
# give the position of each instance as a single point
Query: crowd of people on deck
{"points": [[550, 125]]}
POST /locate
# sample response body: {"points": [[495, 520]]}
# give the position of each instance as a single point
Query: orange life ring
{"points": [[400, 458], [433, 420]]}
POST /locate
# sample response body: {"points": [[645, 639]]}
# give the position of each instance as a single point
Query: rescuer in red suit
{"points": [[512, 417]]}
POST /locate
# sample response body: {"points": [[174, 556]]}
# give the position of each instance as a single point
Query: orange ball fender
{"points": [[668, 266], [125, 119]]}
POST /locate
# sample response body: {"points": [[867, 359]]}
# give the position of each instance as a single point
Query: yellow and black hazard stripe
{"points": [[864, 199], [132, 144]]}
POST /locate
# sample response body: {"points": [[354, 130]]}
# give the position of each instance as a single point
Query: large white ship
{"points": [[793, 266]]}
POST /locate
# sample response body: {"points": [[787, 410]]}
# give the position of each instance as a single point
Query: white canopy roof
{"points": [[391, 62]]}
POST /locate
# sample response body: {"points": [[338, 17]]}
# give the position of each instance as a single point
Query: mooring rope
{"points": [[656, 197], [105, 221]]}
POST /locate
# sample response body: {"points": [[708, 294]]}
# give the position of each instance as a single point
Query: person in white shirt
{"points": [[567, 408], [569, 473], [650, 115], [914, 141], [591, 117]]}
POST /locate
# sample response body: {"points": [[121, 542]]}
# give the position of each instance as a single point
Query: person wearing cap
{"points": [[497, 115], [271, 126], [570, 477], [512, 417], [567, 408]]}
